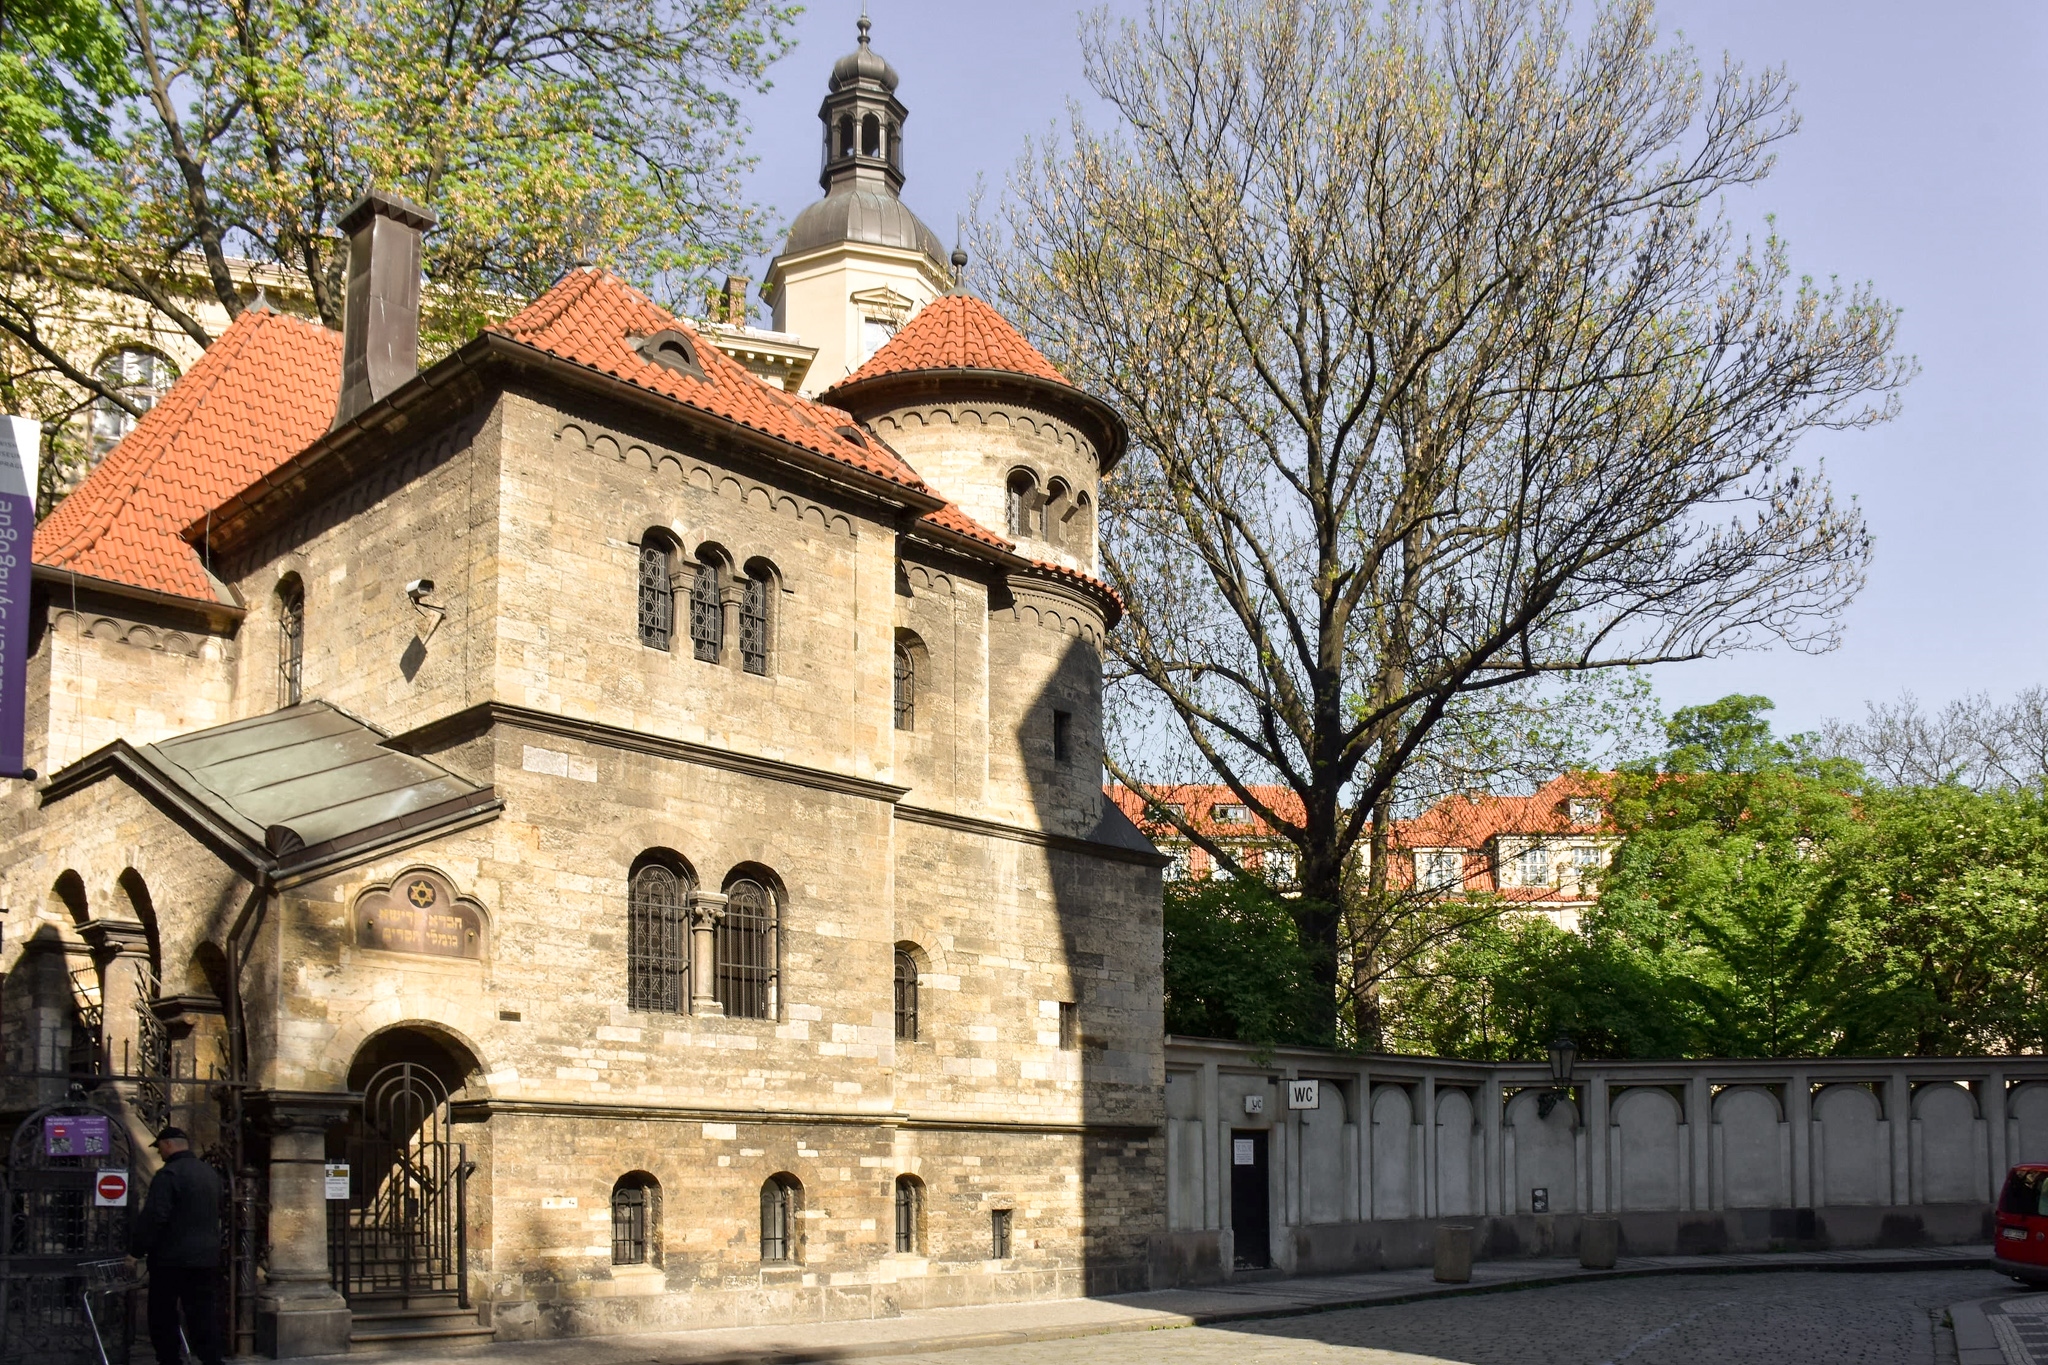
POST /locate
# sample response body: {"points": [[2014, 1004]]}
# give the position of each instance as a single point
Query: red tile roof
{"points": [[588, 316], [1470, 822], [1197, 799], [956, 332], [263, 391]]}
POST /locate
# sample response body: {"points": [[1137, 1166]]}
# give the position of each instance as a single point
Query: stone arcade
{"points": [[647, 822]]}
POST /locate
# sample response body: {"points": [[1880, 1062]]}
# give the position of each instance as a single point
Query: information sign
{"points": [[337, 1180], [75, 1135], [1304, 1094], [1241, 1152], [110, 1190]]}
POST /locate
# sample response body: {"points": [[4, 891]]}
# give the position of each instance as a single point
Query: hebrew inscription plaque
{"points": [[419, 913]]}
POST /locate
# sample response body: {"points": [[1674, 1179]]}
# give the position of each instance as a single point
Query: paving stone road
{"points": [[1803, 1317]]}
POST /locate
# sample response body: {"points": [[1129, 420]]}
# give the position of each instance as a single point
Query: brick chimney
{"points": [[380, 334]]}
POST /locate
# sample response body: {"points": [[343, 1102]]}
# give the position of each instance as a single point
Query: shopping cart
{"points": [[116, 1276]]}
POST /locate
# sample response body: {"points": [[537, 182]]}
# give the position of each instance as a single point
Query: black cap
{"points": [[172, 1134]]}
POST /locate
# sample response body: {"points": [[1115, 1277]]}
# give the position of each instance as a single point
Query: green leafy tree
{"points": [[1235, 965], [543, 133], [1941, 905]]}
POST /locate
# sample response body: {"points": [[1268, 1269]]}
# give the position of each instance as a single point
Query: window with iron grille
{"points": [[999, 1234], [657, 942], [909, 1215], [636, 1210], [906, 688], [781, 1203], [754, 626], [707, 615], [906, 996], [291, 641], [1023, 490], [657, 595], [747, 951]]}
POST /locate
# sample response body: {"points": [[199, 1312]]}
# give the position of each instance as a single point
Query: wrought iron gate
{"points": [[53, 1228], [403, 1232]]}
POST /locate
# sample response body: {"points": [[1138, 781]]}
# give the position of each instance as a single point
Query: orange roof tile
{"points": [[264, 390], [956, 332], [1470, 822], [1198, 799], [588, 316], [954, 518]]}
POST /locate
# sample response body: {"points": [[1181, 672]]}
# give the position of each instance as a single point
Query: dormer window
{"points": [[1231, 815], [672, 350], [1584, 810], [1440, 869]]}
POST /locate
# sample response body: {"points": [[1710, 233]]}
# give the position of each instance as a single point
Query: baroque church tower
{"points": [[858, 263]]}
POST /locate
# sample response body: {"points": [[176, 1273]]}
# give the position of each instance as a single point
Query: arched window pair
{"points": [[706, 604], [745, 949], [1059, 514]]}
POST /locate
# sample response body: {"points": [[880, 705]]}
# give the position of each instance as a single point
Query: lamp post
{"points": [[1563, 1052]]}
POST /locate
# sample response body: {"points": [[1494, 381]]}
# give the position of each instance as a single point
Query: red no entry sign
{"points": [[110, 1190]]}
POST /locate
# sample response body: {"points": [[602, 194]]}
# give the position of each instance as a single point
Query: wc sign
{"points": [[1304, 1094]]}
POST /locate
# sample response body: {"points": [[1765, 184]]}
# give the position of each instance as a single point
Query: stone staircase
{"points": [[392, 1324]]}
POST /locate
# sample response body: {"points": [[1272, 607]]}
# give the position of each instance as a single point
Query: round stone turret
{"points": [[987, 420]]}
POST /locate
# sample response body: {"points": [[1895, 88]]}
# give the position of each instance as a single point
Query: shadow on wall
{"points": [[1106, 900]]}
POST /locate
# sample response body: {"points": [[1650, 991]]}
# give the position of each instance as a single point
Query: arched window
{"points": [[909, 1215], [636, 1218], [707, 612], [291, 640], [1083, 522], [657, 940], [870, 136], [657, 593], [141, 377], [846, 135], [906, 687], [1058, 507], [1023, 491], [754, 619], [906, 995], [782, 1206], [748, 950]]}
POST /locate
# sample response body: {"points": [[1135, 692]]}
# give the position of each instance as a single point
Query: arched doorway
{"points": [[401, 1238]]}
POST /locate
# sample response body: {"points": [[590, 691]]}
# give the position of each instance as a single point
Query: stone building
{"points": [[647, 823]]}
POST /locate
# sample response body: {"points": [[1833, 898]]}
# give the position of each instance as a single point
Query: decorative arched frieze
{"points": [[1022, 421], [664, 464]]}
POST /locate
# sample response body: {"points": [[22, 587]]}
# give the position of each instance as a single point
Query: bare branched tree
{"points": [[1446, 374], [1973, 742]]}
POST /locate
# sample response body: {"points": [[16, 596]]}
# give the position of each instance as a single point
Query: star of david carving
{"points": [[420, 893]]}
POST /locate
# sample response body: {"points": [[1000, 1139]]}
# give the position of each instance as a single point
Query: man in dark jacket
{"points": [[179, 1233]]}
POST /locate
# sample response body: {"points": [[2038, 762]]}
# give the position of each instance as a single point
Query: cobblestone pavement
{"points": [[1803, 1317]]}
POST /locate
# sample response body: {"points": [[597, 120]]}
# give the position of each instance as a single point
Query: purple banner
{"points": [[20, 454]]}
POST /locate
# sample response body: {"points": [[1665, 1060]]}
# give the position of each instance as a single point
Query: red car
{"points": [[2020, 1248]]}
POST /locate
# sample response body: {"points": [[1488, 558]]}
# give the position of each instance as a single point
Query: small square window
{"points": [[1070, 1026]]}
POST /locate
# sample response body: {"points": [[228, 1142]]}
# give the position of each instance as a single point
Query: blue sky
{"points": [[1922, 166]]}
